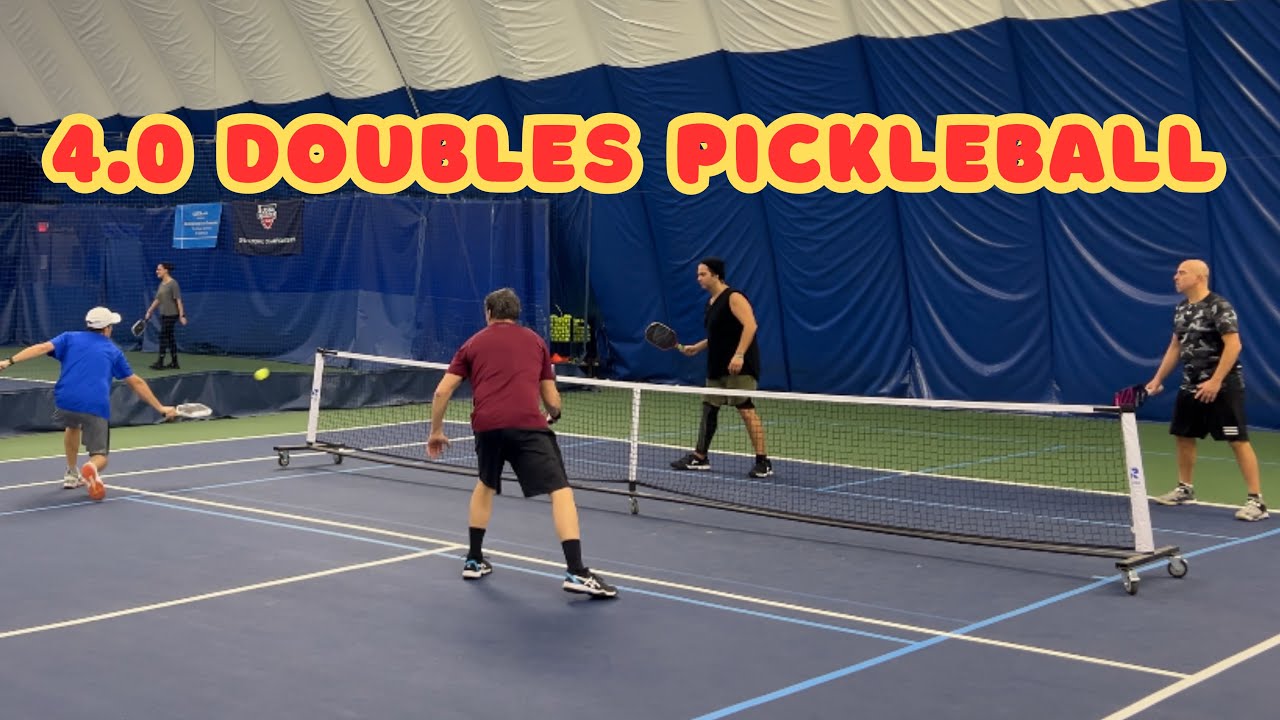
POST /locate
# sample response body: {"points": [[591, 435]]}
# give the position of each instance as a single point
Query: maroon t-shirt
{"points": [[506, 364]]}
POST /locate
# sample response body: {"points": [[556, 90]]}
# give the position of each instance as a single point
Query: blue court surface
{"points": [[213, 583]]}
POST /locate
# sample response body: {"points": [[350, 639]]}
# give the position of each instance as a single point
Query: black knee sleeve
{"points": [[707, 428]]}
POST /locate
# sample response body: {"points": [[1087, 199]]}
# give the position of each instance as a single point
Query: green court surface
{"points": [[1024, 449]]}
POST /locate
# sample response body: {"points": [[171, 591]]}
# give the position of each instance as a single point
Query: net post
{"points": [[313, 412], [1144, 540], [633, 461]]}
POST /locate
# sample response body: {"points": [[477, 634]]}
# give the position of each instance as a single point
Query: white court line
{"points": [[302, 454], [26, 380], [106, 477], [1195, 679], [223, 593], [161, 446], [695, 589]]}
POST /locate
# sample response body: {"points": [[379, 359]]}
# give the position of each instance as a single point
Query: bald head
{"points": [[1192, 279]]}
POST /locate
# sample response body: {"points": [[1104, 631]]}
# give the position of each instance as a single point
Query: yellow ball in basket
{"points": [[261, 374]]}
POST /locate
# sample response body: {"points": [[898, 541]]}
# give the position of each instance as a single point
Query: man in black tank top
{"points": [[733, 363]]}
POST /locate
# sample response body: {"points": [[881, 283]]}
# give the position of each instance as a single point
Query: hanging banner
{"points": [[273, 228]]}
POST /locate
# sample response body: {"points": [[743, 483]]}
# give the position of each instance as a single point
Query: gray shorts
{"points": [[730, 382], [95, 432]]}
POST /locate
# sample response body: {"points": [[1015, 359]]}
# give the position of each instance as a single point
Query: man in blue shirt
{"points": [[82, 396]]}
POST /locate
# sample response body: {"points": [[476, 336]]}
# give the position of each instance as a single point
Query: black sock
{"points": [[761, 458], [573, 556], [477, 539]]}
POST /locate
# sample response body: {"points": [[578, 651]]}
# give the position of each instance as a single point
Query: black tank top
{"points": [[723, 333]]}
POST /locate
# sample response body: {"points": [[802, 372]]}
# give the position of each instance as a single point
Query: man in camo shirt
{"points": [[1206, 339]]}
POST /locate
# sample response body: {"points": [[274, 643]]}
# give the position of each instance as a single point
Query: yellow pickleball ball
{"points": [[261, 374]]}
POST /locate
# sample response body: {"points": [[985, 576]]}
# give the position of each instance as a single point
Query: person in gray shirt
{"points": [[169, 302]]}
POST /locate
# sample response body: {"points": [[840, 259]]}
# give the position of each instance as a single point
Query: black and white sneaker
{"points": [[691, 462], [762, 468], [588, 583], [476, 569]]}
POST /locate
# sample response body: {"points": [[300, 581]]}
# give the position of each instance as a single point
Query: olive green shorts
{"points": [[730, 382]]}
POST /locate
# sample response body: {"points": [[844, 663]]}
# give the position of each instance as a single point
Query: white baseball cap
{"points": [[100, 317]]}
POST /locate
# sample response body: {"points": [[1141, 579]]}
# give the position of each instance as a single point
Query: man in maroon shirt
{"points": [[510, 371]]}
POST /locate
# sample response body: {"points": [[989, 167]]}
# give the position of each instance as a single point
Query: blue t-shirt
{"points": [[89, 362]]}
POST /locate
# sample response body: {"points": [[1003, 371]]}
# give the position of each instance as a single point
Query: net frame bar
{"points": [[1143, 533], [313, 408], [1127, 559]]}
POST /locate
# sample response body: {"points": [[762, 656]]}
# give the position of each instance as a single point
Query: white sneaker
{"points": [[72, 480], [1253, 511]]}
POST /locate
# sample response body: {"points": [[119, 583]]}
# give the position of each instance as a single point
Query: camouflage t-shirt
{"points": [[1200, 327]]}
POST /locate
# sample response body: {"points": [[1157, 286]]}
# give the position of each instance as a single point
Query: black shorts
{"points": [[1224, 418], [534, 456]]}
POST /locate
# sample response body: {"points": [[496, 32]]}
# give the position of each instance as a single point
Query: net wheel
{"points": [[1130, 580], [635, 506], [283, 459], [337, 459], [1177, 566]]}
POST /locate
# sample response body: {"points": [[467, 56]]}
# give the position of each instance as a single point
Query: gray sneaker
{"points": [[1253, 511], [72, 480], [1177, 496]]}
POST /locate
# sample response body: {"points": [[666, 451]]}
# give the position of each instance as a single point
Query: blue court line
{"points": [[611, 561], [881, 659], [576, 441], [1210, 536], [42, 508], [276, 523], [142, 500], [923, 503], [770, 616], [638, 591], [715, 606], [327, 471], [271, 478]]}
